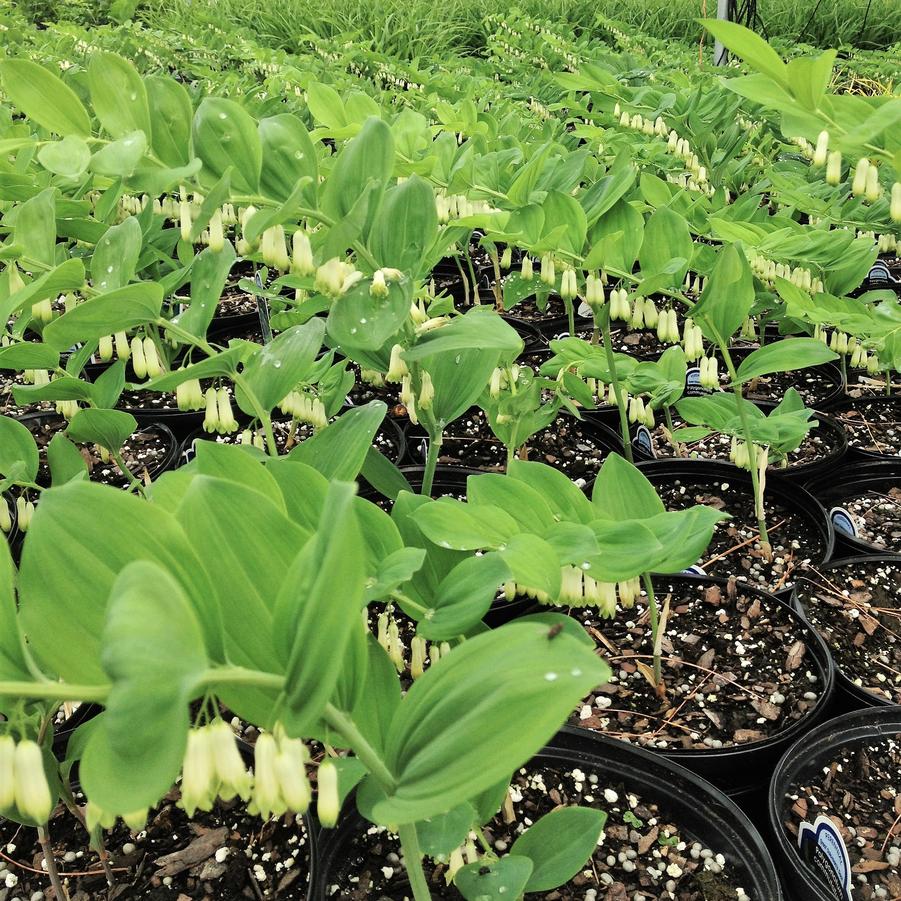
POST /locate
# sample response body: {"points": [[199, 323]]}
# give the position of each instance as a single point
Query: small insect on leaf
{"points": [[554, 631]]}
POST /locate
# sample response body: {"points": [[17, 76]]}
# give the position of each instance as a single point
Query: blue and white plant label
{"points": [[823, 849]]}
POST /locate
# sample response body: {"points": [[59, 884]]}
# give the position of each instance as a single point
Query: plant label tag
{"points": [[842, 521], [643, 441], [880, 274], [693, 386], [585, 311], [695, 570], [263, 311], [822, 848]]}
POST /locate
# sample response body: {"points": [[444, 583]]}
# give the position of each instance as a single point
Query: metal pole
{"points": [[720, 55]]}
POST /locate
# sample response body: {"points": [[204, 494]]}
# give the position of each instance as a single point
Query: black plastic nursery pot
{"points": [[851, 693], [827, 428], [701, 812], [740, 770], [810, 878], [851, 495], [873, 425], [39, 423], [809, 516], [529, 332]]}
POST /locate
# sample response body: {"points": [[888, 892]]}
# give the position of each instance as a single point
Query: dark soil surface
{"points": [[644, 852], [860, 791], [567, 444], [872, 427], [8, 405], [223, 855], [735, 548], [856, 609], [877, 515], [736, 667], [143, 453]]}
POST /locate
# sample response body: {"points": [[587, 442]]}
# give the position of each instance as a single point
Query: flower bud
{"points": [[138, 361], [105, 348], [291, 770], [548, 274], [267, 798], [302, 253], [198, 780], [184, 215], [417, 656], [527, 268], [822, 149], [6, 525], [873, 188], [872, 364], [859, 183], [233, 777], [629, 592], [32, 792], [507, 257], [7, 757], [637, 321], [211, 420], [227, 422], [123, 350], [426, 391], [152, 358], [895, 204], [96, 817], [379, 287], [217, 232], [328, 804], [136, 820]]}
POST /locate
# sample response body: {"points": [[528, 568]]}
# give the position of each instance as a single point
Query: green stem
{"points": [[431, 463], [654, 613], [54, 691], [571, 317], [52, 871], [186, 336], [465, 278], [369, 757], [472, 274], [752, 448], [669, 425], [260, 412], [132, 481], [409, 842], [614, 380]]}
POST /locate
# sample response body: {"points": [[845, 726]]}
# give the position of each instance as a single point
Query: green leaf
{"points": [[533, 562], [68, 157], [440, 835], [526, 505], [92, 532], [65, 460], [225, 134], [752, 48], [171, 111], [463, 597], [116, 255], [667, 239], [68, 276], [561, 495], [36, 227], [154, 655], [118, 96], [275, 369], [784, 356], [465, 527], [234, 463], [288, 158], [559, 844], [319, 606], [209, 272], [727, 298], [406, 226], [114, 311], [28, 355], [495, 880], [44, 98], [12, 662], [476, 715], [339, 450], [108, 428], [622, 492], [478, 328], [18, 452], [121, 157], [225, 363], [383, 475], [360, 320]]}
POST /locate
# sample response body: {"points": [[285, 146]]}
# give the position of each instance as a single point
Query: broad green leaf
{"points": [[318, 607], [405, 226], [118, 96], [68, 157], [65, 460], [225, 135], [476, 715], [110, 312], [478, 328], [533, 562], [36, 227], [93, 532], [171, 112], [622, 492], [44, 98], [440, 835], [288, 157], [28, 355], [784, 356], [526, 505], [154, 656], [559, 844], [235, 464], [209, 273], [18, 451], [727, 298], [12, 662], [274, 370], [561, 495], [667, 239], [120, 158], [748, 45], [454, 524], [116, 255], [495, 880], [225, 363], [339, 450], [463, 597], [108, 428]]}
